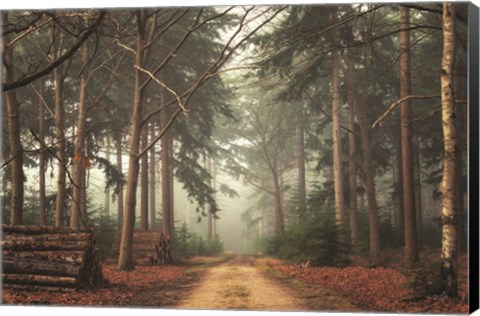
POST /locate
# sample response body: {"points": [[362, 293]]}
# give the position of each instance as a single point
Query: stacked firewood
{"points": [[47, 258], [149, 248]]}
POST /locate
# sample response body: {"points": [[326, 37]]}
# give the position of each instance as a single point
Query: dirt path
{"points": [[239, 285]]}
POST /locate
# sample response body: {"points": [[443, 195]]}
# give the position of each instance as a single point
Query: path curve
{"points": [[239, 285]]}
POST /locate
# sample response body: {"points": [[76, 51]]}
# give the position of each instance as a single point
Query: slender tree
{"points": [[152, 184], [126, 243], [336, 132], [352, 168], [42, 219], [59, 75], [14, 143], [448, 204], [118, 145], [411, 252], [144, 183], [79, 160]]}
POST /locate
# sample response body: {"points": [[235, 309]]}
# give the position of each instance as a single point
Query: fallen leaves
{"points": [[120, 289], [378, 289]]}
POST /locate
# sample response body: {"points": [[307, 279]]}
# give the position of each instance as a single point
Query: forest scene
{"points": [[280, 157]]}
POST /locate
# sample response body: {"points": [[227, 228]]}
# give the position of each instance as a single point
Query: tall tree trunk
{"points": [[165, 162], [14, 143], [120, 201], [337, 145], [152, 184], [368, 172], [79, 160], [301, 164], [418, 191], [214, 187], [411, 252], [352, 170], [459, 183], [125, 257], [369, 181], [448, 206], [279, 218], [60, 147], [210, 214], [107, 190], [42, 218], [397, 179], [172, 188], [144, 182]]}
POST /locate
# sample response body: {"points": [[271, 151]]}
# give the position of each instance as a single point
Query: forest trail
{"points": [[237, 284]]}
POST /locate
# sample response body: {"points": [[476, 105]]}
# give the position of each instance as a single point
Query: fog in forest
{"points": [[319, 134]]}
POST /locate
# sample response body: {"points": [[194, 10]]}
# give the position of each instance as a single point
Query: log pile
{"points": [[48, 258], [149, 248]]}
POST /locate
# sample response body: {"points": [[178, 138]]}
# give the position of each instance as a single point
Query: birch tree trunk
{"points": [[337, 145], [448, 205]]}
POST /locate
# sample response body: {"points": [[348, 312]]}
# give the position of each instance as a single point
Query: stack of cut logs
{"points": [[149, 247], [47, 258]]}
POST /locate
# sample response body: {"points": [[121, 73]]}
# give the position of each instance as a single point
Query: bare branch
{"points": [[57, 62], [398, 102], [180, 104]]}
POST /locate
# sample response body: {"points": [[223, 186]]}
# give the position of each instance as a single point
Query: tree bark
{"points": [[279, 218], [59, 80], [152, 185], [411, 252], [14, 142], [120, 201], [368, 172], [337, 145], [448, 206], [107, 190], [352, 171], [125, 261], [397, 179], [42, 216], [418, 191], [79, 160], [210, 214], [172, 188], [301, 164], [165, 161], [144, 182]]}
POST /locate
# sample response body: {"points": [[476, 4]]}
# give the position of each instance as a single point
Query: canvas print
{"points": [[248, 157]]}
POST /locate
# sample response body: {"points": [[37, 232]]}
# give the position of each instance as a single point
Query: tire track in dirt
{"points": [[239, 285]]}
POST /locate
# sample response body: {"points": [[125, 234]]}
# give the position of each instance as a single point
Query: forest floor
{"points": [[370, 289], [258, 283]]}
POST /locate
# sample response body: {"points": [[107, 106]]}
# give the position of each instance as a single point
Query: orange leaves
{"points": [[120, 289], [82, 159], [378, 289]]}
